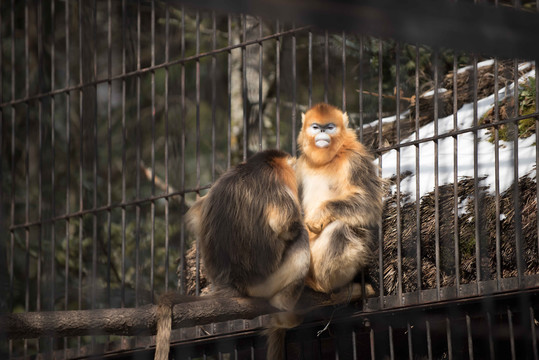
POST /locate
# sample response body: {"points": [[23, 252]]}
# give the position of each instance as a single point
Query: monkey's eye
{"points": [[313, 129], [331, 128]]}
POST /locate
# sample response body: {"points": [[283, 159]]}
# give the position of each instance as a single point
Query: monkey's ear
{"points": [[345, 119], [302, 118]]}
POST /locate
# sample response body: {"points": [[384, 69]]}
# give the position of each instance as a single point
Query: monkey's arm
{"points": [[361, 206], [284, 219]]}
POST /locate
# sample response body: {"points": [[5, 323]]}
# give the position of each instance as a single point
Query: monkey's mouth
{"points": [[322, 143], [322, 140]]}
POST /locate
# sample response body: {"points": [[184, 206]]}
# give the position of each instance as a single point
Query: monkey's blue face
{"points": [[322, 133]]}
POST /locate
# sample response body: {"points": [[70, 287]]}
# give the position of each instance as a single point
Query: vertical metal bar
{"points": [[94, 214], [167, 199], [497, 178], [152, 203], [516, 187], [138, 144], [244, 87], [3, 251], [278, 87], [40, 146], [68, 165], [469, 335], [536, 158], [260, 64], [310, 67], [109, 153], [372, 342], [27, 169], [4, 303], [53, 163], [354, 345], [183, 121], [456, 233], [490, 338], [533, 334], [343, 71], [410, 343], [124, 154], [476, 180], [229, 92], [391, 345], [417, 178], [294, 85], [81, 171], [197, 140], [13, 182], [449, 337], [326, 66], [537, 151], [398, 172], [429, 340], [511, 333], [436, 178], [361, 108], [380, 231], [213, 93]]}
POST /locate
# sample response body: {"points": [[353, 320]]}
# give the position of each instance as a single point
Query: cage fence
{"points": [[116, 115]]}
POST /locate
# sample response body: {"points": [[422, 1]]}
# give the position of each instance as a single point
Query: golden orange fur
{"points": [[341, 196]]}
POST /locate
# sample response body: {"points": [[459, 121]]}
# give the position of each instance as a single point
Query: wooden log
{"points": [[143, 320]]}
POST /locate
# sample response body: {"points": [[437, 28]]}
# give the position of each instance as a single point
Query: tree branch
{"points": [[143, 320]]}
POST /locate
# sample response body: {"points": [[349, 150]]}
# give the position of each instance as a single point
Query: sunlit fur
{"points": [[341, 196]]}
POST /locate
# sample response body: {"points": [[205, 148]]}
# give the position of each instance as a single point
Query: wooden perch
{"points": [[143, 320]]}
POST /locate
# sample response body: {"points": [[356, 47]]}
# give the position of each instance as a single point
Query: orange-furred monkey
{"points": [[341, 195]]}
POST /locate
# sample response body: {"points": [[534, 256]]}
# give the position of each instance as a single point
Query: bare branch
{"points": [[143, 320]]}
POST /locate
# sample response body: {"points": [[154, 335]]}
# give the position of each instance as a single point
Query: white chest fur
{"points": [[316, 190]]}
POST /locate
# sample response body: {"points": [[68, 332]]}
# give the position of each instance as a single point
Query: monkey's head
{"points": [[324, 132]]}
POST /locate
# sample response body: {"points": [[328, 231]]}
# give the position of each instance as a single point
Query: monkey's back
{"points": [[239, 247]]}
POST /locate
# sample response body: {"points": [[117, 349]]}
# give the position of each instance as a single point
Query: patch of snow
{"points": [[389, 119], [524, 66], [473, 158], [431, 92], [462, 206], [479, 65]]}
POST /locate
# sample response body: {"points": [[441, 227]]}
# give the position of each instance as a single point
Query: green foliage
{"points": [[527, 105]]}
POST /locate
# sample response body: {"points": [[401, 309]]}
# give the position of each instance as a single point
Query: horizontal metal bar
{"points": [[108, 207], [477, 28], [153, 68]]}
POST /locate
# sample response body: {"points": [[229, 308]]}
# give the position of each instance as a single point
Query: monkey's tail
{"points": [[164, 328], [276, 332], [276, 342]]}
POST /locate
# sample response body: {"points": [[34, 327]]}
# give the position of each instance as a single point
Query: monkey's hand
{"points": [[317, 221]]}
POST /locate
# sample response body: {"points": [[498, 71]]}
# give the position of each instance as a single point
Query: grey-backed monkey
{"points": [[252, 238], [341, 195]]}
